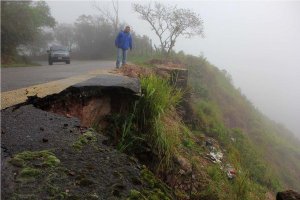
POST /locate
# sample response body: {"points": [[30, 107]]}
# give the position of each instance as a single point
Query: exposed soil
{"points": [[90, 103], [134, 71]]}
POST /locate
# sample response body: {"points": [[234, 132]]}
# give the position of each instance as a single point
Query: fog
{"points": [[258, 43]]}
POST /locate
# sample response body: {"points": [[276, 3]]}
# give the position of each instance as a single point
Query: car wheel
{"points": [[68, 62]]}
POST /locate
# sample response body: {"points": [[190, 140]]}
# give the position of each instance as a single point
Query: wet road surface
{"points": [[19, 77]]}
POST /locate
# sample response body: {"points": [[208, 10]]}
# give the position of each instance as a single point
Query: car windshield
{"points": [[58, 48]]}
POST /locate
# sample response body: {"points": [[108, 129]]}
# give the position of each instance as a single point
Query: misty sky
{"points": [[258, 43]]}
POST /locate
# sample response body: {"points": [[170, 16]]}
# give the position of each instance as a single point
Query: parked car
{"points": [[58, 54]]}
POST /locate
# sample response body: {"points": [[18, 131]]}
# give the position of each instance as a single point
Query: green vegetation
{"points": [[21, 24], [25, 159], [140, 59], [21, 63], [157, 116], [153, 188], [25, 35], [128, 136], [123, 130], [39, 172], [241, 151], [264, 148], [32, 166], [239, 188], [86, 138], [158, 96], [258, 148], [210, 107], [152, 122], [29, 172]]}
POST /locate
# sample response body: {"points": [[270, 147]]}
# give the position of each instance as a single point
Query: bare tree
{"points": [[170, 22], [105, 12]]}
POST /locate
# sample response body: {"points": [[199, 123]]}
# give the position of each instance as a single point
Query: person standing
{"points": [[123, 42]]}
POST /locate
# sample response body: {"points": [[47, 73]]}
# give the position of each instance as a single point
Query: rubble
{"points": [[216, 156]]}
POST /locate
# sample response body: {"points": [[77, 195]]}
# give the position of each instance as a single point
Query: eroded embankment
{"points": [[91, 101], [49, 153]]}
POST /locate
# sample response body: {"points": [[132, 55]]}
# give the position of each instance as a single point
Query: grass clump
{"points": [[84, 139], [32, 165], [135, 195], [18, 162], [152, 123], [157, 116], [29, 172], [158, 96], [45, 157], [153, 188], [51, 161], [129, 137]]}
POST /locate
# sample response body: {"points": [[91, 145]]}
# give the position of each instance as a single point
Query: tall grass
{"points": [[153, 121], [129, 138], [158, 95], [158, 118], [240, 188]]}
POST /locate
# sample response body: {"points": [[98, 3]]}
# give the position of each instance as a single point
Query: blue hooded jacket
{"points": [[123, 40]]}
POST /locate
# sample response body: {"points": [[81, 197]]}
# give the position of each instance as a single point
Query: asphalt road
{"points": [[19, 77]]}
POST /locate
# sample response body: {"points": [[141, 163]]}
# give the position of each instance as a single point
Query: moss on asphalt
{"points": [[84, 139]]}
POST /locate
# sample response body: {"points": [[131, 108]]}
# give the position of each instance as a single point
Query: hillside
{"points": [[267, 152], [276, 144]]}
